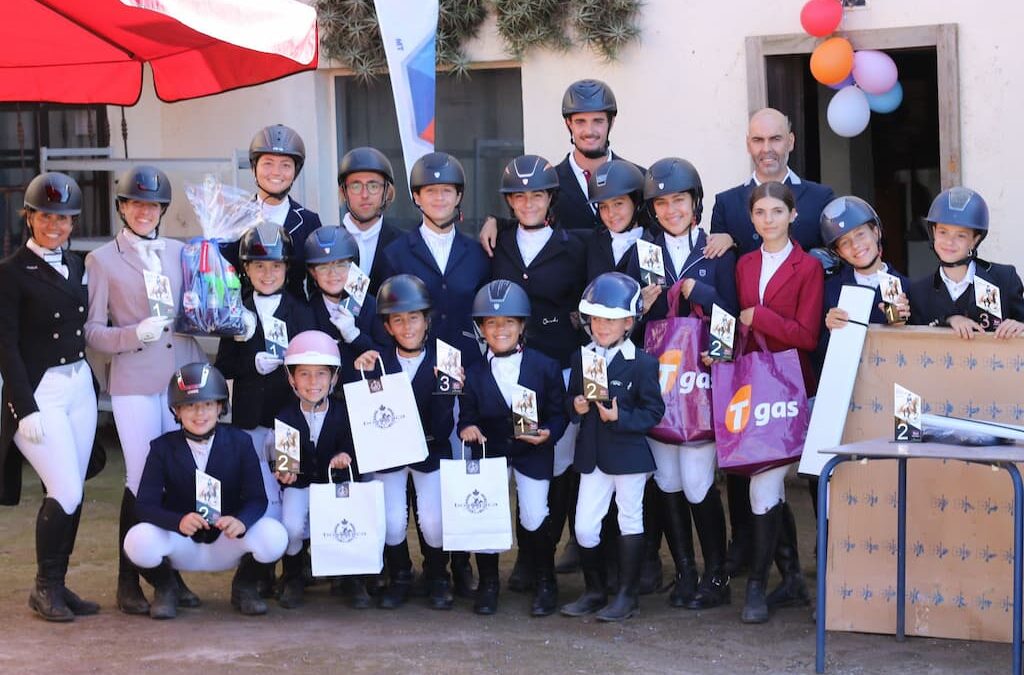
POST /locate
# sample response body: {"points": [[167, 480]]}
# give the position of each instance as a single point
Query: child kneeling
{"points": [[171, 534]]}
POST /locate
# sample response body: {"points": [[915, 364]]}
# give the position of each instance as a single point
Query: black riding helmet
{"points": [[144, 183], [372, 160], [265, 241], [501, 297], [438, 168], [963, 207], [196, 382], [278, 139], [328, 244], [671, 175], [531, 173], [54, 192], [402, 293], [617, 178], [589, 96]]}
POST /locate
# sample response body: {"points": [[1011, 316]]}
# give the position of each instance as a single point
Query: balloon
{"points": [[845, 83], [848, 112], [832, 60], [874, 71], [887, 102], [821, 17]]}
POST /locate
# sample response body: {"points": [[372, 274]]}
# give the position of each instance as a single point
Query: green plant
{"points": [[349, 32]]}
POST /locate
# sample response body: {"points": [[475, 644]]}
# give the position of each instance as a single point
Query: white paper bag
{"points": [[346, 528], [476, 513], [386, 428]]}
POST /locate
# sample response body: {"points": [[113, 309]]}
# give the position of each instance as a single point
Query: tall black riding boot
{"points": [[792, 592], [675, 515], [562, 507], [77, 605], [130, 598], [462, 575], [521, 578], [741, 525], [293, 581], [186, 598], [766, 537], [400, 576], [245, 596], [650, 568], [709, 517], [595, 595], [435, 569], [53, 526], [486, 601], [542, 552], [165, 590], [626, 602], [609, 547]]}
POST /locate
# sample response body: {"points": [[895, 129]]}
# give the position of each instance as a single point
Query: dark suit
{"points": [[601, 259], [256, 397], [715, 279], [42, 320], [930, 300], [790, 315], [833, 287], [436, 411], [378, 272], [451, 291], [572, 208], [731, 214], [554, 281], [167, 491], [371, 333], [619, 447], [484, 405], [335, 437]]}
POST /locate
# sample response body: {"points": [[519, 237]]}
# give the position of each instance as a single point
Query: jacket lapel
{"points": [[781, 277], [129, 255], [420, 250], [508, 244], [458, 251], [41, 270], [555, 246]]}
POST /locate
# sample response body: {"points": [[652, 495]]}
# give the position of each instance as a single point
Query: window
{"points": [[479, 120]]}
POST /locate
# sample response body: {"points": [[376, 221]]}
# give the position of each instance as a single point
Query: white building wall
{"points": [[681, 90]]}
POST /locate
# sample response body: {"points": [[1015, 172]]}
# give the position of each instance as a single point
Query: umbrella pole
{"points": [[124, 132]]}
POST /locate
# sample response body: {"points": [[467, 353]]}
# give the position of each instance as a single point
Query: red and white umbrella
{"points": [[93, 51]]}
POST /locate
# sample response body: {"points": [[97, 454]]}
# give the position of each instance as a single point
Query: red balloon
{"points": [[821, 17]]}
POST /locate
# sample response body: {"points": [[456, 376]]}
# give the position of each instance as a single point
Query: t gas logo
{"points": [[737, 415], [668, 374]]}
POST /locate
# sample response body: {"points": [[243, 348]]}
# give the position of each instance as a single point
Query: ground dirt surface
{"points": [[325, 636]]}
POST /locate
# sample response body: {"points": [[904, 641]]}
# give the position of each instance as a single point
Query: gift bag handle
{"points": [[351, 476], [675, 296], [483, 446], [746, 332], [380, 361]]}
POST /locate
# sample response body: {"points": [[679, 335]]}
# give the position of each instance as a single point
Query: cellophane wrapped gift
{"points": [[211, 302]]}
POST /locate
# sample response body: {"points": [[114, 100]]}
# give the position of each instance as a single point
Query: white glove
{"points": [[346, 324], [267, 363], [31, 427], [249, 321], [150, 328]]}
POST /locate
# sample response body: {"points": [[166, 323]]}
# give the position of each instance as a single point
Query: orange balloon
{"points": [[832, 61]]}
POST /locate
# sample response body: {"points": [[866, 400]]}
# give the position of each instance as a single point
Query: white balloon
{"points": [[848, 112]]}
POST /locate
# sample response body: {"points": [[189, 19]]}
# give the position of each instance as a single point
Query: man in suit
{"points": [[588, 109], [366, 185], [770, 139]]}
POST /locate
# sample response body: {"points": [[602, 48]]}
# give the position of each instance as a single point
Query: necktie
{"points": [[148, 250], [56, 260], [586, 174]]}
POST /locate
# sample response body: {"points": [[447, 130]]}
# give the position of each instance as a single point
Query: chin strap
{"points": [[515, 350], [878, 256], [448, 223], [200, 438]]}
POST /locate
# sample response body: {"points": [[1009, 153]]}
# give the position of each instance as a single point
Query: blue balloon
{"points": [[887, 102]]}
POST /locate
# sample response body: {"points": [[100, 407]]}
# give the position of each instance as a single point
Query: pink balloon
{"points": [[874, 71]]}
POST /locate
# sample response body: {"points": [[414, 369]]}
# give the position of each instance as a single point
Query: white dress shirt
{"points": [[621, 241], [957, 288], [531, 242], [871, 280], [266, 305], [411, 364], [54, 259], [200, 451], [770, 264], [365, 239], [440, 245], [506, 373], [275, 213], [790, 179], [577, 171], [679, 249]]}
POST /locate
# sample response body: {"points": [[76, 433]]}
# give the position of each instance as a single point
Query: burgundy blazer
{"points": [[790, 316]]}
